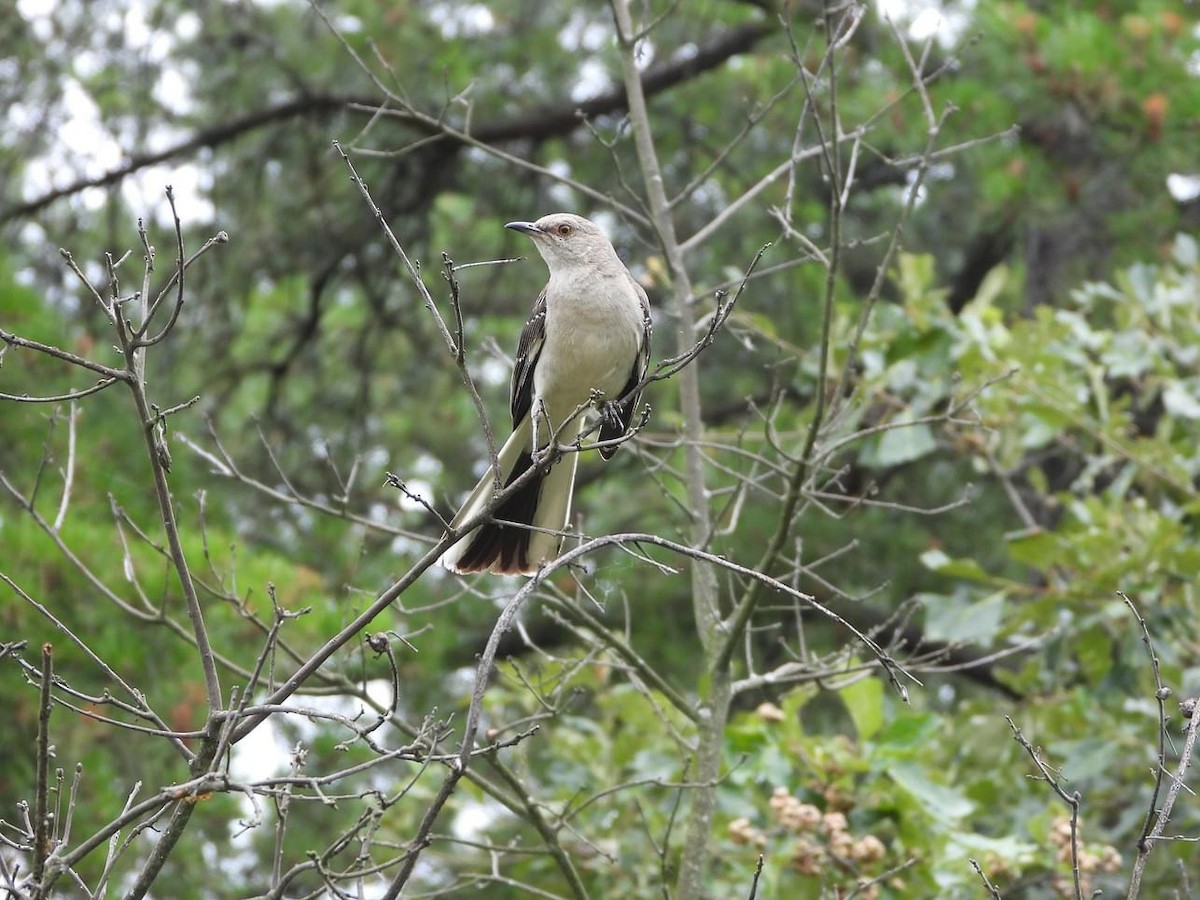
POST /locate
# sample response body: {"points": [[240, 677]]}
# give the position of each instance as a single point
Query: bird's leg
{"points": [[610, 410], [542, 456], [535, 415]]}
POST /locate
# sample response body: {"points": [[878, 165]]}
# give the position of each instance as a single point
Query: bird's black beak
{"points": [[528, 228]]}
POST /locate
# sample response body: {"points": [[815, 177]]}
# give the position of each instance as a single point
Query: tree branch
{"points": [[549, 122]]}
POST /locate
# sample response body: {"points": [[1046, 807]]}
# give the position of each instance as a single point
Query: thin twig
{"points": [[108, 372], [41, 823], [1157, 818], [1073, 801], [61, 398], [414, 275], [991, 888], [1161, 693], [69, 470]]}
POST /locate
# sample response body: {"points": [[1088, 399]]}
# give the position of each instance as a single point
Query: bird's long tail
{"points": [[542, 505]]}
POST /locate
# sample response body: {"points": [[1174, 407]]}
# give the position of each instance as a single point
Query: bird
{"points": [[585, 348]]}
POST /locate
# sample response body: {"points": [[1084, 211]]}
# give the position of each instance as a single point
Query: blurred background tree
{"points": [[1029, 374]]}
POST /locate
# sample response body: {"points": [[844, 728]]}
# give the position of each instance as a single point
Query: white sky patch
{"points": [[418, 486], [607, 221], [137, 30], [32, 233], [493, 372], [943, 171], [376, 457], [455, 20], [82, 134], [910, 178], [187, 26], [1183, 188], [475, 817], [85, 148], [477, 157], [146, 192], [592, 81], [645, 54], [404, 546], [426, 466], [562, 195], [685, 52], [583, 33], [921, 20], [173, 89], [710, 194], [937, 172], [87, 64], [37, 14], [265, 753], [462, 680], [262, 753], [417, 477], [20, 116]]}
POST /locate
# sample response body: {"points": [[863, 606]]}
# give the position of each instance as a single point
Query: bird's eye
{"points": [[564, 230]]}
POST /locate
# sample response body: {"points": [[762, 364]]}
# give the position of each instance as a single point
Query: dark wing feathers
{"points": [[529, 349]]}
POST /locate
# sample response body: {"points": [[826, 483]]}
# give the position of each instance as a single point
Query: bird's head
{"points": [[565, 239]]}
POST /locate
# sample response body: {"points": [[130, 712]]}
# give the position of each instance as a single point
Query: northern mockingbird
{"points": [[586, 344]]}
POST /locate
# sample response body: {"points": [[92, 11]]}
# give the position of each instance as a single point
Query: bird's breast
{"points": [[591, 344]]}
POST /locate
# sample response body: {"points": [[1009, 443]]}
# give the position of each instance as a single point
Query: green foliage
{"points": [[1044, 403]]}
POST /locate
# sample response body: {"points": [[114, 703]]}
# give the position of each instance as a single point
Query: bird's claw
{"points": [[544, 457], [610, 412]]}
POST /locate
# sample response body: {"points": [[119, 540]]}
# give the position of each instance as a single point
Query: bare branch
{"points": [[41, 840], [108, 372], [1157, 818], [61, 398], [1073, 800]]}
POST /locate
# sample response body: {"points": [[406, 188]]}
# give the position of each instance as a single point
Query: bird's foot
{"points": [[611, 413], [544, 457]]}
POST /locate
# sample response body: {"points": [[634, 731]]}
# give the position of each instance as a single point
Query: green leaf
{"points": [[1006, 848], [905, 734], [1094, 650], [991, 288], [764, 324], [1180, 399], [1039, 549], [914, 274], [1085, 758], [939, 801], [958, 619], [1186, 251], [900, 444], [864, 702], [939, 562]]}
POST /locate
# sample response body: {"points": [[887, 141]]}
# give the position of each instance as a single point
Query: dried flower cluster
{"points": [[1103, 858], [822, 838]]}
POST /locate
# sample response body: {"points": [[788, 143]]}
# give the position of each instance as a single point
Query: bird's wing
{"points": [[631, 391], [529, 349]]}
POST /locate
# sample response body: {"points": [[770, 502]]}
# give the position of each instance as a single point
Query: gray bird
{"points": [[587, 337]]}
